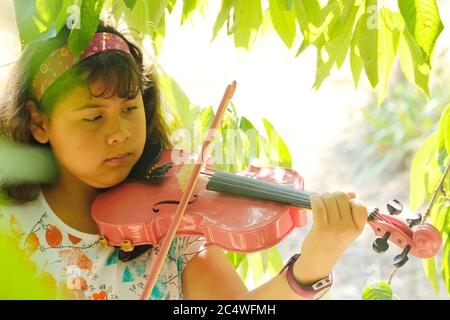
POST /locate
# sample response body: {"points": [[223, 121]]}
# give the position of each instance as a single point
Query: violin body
{"points": [[139, 213]]}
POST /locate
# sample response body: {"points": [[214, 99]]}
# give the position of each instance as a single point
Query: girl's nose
{"points": [[119, 133]]}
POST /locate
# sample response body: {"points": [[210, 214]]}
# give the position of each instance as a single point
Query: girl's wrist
{"points": [[307, 272], [316, 260]]}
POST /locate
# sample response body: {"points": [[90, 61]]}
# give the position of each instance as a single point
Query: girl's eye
{"points": [[92, 120], [131, 108]]}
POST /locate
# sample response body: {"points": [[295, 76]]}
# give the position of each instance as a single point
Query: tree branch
{"points": [[438, 187]]}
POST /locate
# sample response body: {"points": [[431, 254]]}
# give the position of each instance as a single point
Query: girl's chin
{"points": [[112, 181]]}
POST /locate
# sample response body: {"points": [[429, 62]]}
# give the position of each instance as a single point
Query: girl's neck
{"points": [[71, 200]]}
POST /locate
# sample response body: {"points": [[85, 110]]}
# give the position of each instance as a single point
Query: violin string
{"points": [[301, 197], [296, 193], [303, 202], [291, 196]]}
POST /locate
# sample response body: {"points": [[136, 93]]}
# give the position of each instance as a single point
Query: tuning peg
{"points": [[380, 245], [373, 214], [394, 207], [125, 256], [414, 219], [402, 258]]}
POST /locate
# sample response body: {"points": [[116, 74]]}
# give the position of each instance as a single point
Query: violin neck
{"points": [[258, 189]]}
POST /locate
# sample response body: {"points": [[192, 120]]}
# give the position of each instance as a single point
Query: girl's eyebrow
{"points": [[91, 106], [96, 105]]}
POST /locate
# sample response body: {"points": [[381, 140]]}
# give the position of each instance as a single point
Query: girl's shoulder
{"points": [[35, 219], [17, 219]]}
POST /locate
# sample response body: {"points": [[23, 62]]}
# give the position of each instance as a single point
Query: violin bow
{"points": [[187, 194]]}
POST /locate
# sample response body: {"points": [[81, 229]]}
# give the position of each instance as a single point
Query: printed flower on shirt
{"points": [[15, 227], [76, 283], [76, 257], [101, 295], [74, 239], [32, 243], [53, 236]]}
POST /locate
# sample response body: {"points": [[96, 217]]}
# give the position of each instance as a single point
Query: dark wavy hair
{"points": [[124, 76]]}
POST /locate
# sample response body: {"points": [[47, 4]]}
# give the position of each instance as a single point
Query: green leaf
{"points": [[205, 117], [423, 23], [130, 3], [337, 46], [24, 12], [444, 137], [368, 41], [137, 18], [243, 268], [412, 61], [247, 20], [176, 100], [388, 36], [158, 34], [232, 144], [434, 173], [446, 265], [222, 17], [48, 10], [419, 172], [89, 18], [256, 264], [171, 5], [253, 137], [36, 19], [236, 258], [19, 278], [283, 20], [155, 10], [63, 15], [276, 142], [189, 7], [377, 291], [438, 217], [304, 45], [430, 268], [147, 17], [310, 18], [355, 56], [272, 261], [22, 163]]}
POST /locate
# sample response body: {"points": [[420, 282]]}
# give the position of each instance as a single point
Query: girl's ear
{"points": [[38, 123]]}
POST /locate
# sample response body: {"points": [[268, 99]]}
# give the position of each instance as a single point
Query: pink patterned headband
{"points": [[61, 60]]}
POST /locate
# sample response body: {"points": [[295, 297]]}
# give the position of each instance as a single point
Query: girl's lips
{"points": [[120, 156], [119, 160]]}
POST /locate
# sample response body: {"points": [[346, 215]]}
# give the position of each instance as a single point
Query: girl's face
{"points": [[85, 131]]}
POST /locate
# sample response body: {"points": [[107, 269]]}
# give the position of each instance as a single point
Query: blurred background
{"points": [[338, 138]]}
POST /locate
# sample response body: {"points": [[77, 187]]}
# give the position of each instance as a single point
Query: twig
{"points": [[439, 186], [392, 275], [7, 64]]}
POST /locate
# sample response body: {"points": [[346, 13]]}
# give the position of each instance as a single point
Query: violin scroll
{"points": [[423, 242]]}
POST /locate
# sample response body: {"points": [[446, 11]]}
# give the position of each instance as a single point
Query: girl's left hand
{"points": [[338, 219]]}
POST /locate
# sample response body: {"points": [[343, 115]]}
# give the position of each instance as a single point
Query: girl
{"points": [[102, 120]]}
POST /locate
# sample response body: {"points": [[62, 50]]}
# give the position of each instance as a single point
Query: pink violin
{"points": [[138, 213]]}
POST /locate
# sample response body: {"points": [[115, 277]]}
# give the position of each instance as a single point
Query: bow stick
{"points": [[187, 194]]}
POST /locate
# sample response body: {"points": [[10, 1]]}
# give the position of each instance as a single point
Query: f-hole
{"points": [[155, 209]]}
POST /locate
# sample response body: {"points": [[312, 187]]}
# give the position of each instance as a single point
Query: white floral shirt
{"points": [[81, 266]]}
